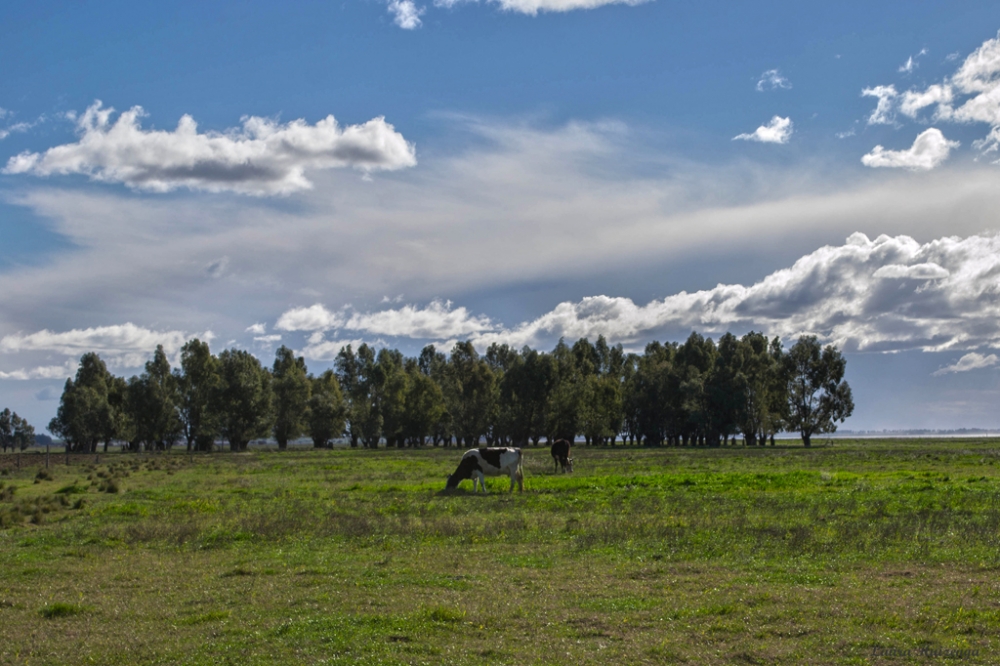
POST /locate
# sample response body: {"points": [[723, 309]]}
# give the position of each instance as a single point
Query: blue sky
{"points": [[408, 172]]}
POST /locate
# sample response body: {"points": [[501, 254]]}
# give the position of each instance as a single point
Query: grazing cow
{"points": [[477, 464], [560, 455]]}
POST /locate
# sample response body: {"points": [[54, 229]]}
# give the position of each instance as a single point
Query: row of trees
{"points": [[696, 392], [15, 432]]}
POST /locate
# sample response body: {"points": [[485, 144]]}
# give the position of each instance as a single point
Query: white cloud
{"points": [[850, 295], [886, 294], [438, 320], [257, 329], [928, 271], [772, 80], [260, 158], [125, 345], [318, 349], [776, 131], [929, 149], [911, 62], [313, 318], [532, 7], [455, 229], [18, 128], [912, 102], [971, 361], [882, 115], [405, 14], [42, 372], [970, 95]]}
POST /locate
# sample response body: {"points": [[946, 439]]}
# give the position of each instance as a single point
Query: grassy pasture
{"points": [[856, 552]]}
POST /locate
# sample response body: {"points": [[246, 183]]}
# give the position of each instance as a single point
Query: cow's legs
{"points": [[516, 475], [482, 481]]}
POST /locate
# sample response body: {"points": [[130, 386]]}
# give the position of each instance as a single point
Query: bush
{"points": [[56, 610]]}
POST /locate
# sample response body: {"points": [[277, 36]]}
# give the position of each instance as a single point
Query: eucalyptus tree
{"points": [[818, 395], [326, 412], [502, 360], [361, 380], [199, 383], [22, 433], [652, 392], [85, 416], [392, 390], [471, 393], [570, 367], [291, 385], [434, 365], [15, 432], [693, 367], [425, 406], [153, 402], [244, 401], [724, 388]]}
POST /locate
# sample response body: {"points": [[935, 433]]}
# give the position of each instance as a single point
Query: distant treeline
{"points": [[15, 432], [694, 393]]}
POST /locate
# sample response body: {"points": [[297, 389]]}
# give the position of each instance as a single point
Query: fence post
{"points": [[67, 456], [46, 456]]}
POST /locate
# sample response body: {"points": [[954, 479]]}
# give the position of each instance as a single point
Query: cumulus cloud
{"points": [[928, 271], [438, 320], [929, 149], [124, 345], [971, 361], [883, 113], [405, 14], [970, 95], [593, 217], [772, 80], [257, 329], [886, 294], [262, 157], [913, 101], [777, 131]]}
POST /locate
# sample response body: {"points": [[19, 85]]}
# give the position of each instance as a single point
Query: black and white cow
{"points": [[560, 455], [477, 464]]}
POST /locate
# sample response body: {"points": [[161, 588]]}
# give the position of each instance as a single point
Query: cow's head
{"points": [[464, 471], [569, 464]]}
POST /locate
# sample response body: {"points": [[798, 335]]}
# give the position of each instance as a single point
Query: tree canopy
{"points": [[696, 392]]}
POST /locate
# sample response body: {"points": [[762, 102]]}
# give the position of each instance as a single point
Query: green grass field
{"points": [[853, 552]]}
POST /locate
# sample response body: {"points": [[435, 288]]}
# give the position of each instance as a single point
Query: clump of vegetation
{"points": [[43, 475], [59, 609]]}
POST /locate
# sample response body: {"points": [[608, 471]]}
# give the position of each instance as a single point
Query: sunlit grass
{"points": [[767, 555]]}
